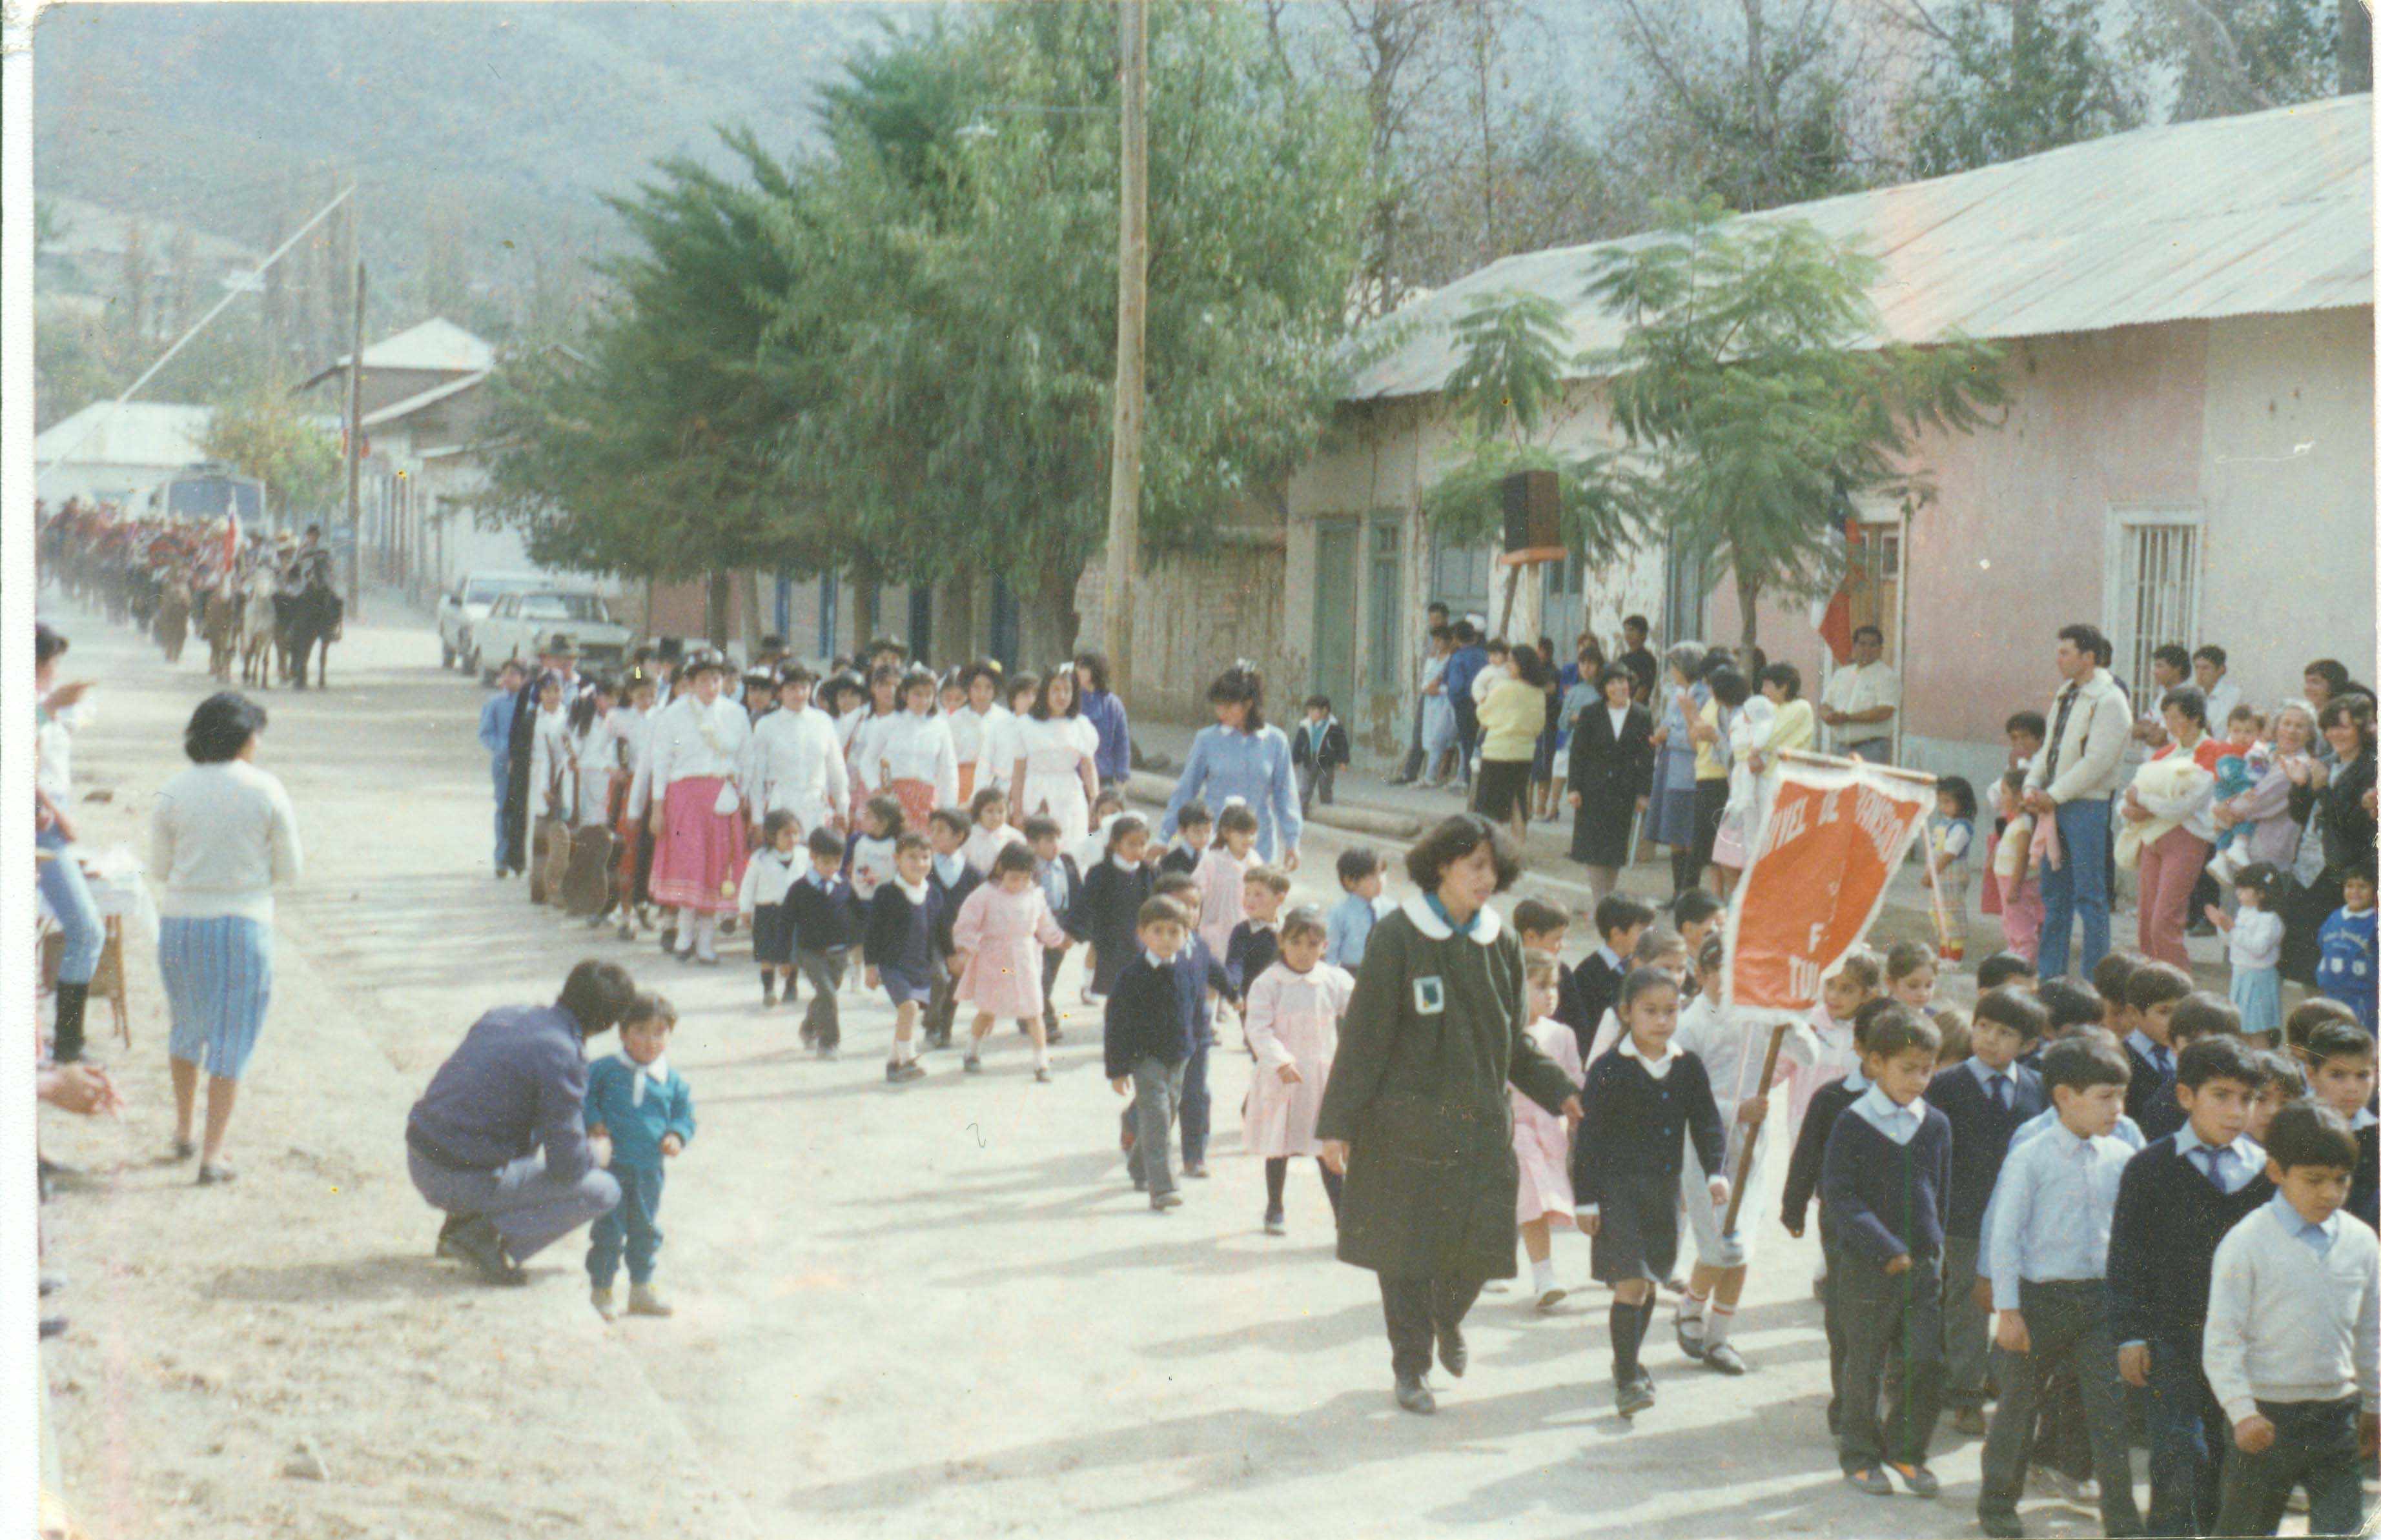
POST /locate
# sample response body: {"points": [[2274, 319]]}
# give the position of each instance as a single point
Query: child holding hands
{"points": [[1293, 1019], [642, 1107], [1001, 931]]}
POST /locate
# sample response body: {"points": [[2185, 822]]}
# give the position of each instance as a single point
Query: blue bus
{"points": [[210, 492]]}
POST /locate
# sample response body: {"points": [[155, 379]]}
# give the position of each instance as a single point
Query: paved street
{"points": [[931, 1311]]}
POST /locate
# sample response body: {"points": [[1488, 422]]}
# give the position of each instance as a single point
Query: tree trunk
{"points": [[750, 582], [2355, 47], [1047, 623], [714, 609], [1748, 604]]}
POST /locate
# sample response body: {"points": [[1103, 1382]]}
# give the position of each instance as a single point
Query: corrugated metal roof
{"points": [[2270, 213], [436, 347], [140, 434]]}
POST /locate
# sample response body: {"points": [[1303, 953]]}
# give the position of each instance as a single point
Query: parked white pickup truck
{"points": [[467, 604], [519, 625]]}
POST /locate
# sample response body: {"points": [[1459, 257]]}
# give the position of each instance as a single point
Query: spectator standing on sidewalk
{"points": [[497, 737], [57, 713], [1462, 669], [1435, 621], [1112, 760], [1638, 659], [1858, 703], [2072, 781]]}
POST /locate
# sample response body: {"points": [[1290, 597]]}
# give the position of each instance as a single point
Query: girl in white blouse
{"points": [[911, 754], [1053, 770]]}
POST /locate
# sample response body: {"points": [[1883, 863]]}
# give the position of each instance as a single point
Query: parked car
{"points": [[519, 625], [468, 603]]}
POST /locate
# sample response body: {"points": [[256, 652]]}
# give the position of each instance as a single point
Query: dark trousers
{"points": [[1831, 1314], [2062, 1435], [822, 1024], [1417, 1310], [2315, 1446], [2188, 1435], [631, 1226], [1156, 1100], [942, 1002], [1879, 1313], [1197, 1106], [1314, 782], [2068, 1323], [1467, 738], [1412, 767]]}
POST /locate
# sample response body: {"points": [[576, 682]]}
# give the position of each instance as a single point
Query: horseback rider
{"points": [[310, 565]]}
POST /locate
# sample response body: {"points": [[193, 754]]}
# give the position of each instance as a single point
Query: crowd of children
{"points": [[2070, 1218]]}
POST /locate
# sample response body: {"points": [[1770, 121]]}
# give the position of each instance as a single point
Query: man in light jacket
{"points": [[2072, 779]]}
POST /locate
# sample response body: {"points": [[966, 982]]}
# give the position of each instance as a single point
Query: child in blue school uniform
{"points": [[2346, 971], [643, 1107], [899, 948], [1352, 918]]}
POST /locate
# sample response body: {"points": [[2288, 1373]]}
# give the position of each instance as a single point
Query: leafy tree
{"points": [[2003, 79], [2242, 56], [953, 337], [1505, 390], [264, 434], [1751, 402]]}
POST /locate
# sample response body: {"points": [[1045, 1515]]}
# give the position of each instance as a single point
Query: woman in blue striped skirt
{"points": [[223, 835]]}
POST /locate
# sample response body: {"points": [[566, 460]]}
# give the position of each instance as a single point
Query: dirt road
{"points": [[928, 1311]]}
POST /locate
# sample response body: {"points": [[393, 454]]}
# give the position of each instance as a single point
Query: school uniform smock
{"points": [[795, 765], [696, 753], [1293, 1019], [1540, 1142], [2345, 971], [1219, 876], [1003, 934], [1054, 751], [983, 844], [1253, 766], [1432, 1035], [992, 737]]}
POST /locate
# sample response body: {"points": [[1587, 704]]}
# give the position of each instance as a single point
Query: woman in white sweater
{"points": [[222, 837]]}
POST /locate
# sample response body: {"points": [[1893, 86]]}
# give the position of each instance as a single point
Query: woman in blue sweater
{"points": [[1242, 757]]}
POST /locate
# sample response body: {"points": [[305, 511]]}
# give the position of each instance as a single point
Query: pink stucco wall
{"points": [[2014, 545]]}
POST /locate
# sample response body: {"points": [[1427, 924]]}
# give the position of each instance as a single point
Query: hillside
{"points": [[519, 115]]}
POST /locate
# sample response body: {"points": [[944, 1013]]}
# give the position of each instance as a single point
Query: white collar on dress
{"points": [[1426, 920]]}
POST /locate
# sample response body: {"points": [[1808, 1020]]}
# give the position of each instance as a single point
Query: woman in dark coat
{"points": [[1416, 1111], [1611, 771], [2335, 797]]}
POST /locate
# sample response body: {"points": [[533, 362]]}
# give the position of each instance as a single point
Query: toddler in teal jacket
{"points": [[642, 1105]]}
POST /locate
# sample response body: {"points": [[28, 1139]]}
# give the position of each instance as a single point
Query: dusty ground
{"points": [[916, 1312]]}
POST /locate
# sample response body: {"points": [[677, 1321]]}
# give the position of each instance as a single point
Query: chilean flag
{"points": [[1832, 617], [231, 541]]}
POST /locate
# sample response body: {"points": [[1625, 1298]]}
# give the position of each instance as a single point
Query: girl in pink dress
{"points": [[1221, 872], [1293, 1025], [1542, 1139], [1001, 931]]}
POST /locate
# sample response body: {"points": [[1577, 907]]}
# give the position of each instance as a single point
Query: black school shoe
{"points": [[1414, 1396], [477, 1241], [1452, 1353], [1635, 1397]]}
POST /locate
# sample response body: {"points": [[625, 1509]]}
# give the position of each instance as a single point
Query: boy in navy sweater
{"points": [[1193, 827], [899, 948], [2049, 1261], [1594, 985], [821, 908], [1886, 1170], [1983, 1099], [1151, 1014], [2179, 1198], [1208, 969], [2151, 996], [1828, 1104], [2340, 1074], [952, 878]]}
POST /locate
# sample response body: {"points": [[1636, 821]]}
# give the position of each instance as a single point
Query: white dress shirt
{"points": [[1888, 1117], [1851, 690], [2053, 1205]]}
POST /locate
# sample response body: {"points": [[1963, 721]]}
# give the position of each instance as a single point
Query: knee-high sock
{"points": [[1717, 1324], [1330, 1187], [1276, 1172], [1627, 1328]]}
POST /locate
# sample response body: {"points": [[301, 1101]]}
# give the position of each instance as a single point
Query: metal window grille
{"points": [[2157, 593]]}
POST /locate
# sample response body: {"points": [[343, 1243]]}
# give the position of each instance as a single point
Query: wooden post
{"points": [[1133, 297], [355, 446]]}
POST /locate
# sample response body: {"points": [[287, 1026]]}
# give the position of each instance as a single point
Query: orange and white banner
{"points": [[1815, 880]]}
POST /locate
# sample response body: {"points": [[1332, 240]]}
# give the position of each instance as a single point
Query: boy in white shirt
{"points": [[2293, 1346]]}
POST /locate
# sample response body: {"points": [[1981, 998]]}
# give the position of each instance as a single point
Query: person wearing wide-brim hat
{"points": [[557, 660], [695, 763]]}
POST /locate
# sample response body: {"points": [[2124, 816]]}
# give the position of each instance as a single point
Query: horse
{"points": [[174, 617], [308, 617], [261, 651], [221, 631]]}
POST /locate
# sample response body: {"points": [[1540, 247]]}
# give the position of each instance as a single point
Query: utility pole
{"points": [[355, 436], [1133, 297]]}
